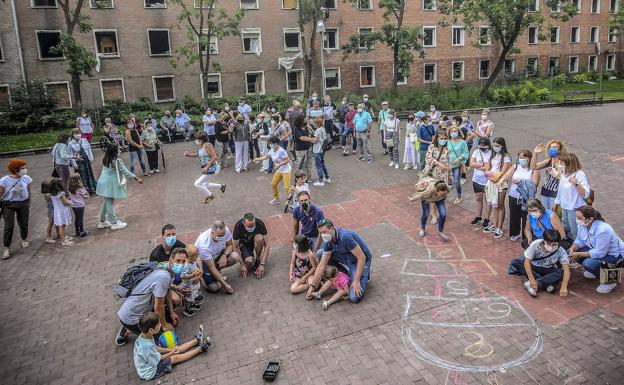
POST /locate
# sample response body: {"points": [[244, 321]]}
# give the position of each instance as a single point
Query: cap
{"points": [[420, 114]]}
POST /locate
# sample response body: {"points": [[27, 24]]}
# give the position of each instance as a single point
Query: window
{"points": [[534, 6], [533, 37], [330, 4], [43, 4], [401, 78], [457, 70], [595, 6], [294, 81], [364, 31], [613, 6], [112, 89], [532, 66], [594, 35], [214, 44], [592, 63], [59, 91], [484, 36], [290, 4], [367, 76], [575, 34], [252, 41], [158, 40], [573, 64], [45, 41], [365, 4], [292, 41], [331, 38], [155, 4], [429, 5], [577, 4], [254, 83], [554, 35], [249, 4], [430, 73], [429, 36], [610, 63], [553, 65], [509, 67], [214, 85], [203, 4], [164, 90], [613, 32], [556, 8], [332, 78], [106, 44], [484, 69], [101, 4], [458, 36], [5, 97]]}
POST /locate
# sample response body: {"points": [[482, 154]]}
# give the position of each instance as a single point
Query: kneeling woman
{"points": [[540, 220], [209, 166], [541, 265], [596, 243], [428, 191]]}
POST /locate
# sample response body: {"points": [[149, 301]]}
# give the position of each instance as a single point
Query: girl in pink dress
{"points": [[334, 280]]}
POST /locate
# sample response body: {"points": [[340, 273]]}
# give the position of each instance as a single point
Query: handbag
{"points": [[54, 172], [121, 179], [389, 141], [2, 201]]}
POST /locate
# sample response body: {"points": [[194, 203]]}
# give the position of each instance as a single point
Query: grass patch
{"points": [[35, 140], [612, 89]]}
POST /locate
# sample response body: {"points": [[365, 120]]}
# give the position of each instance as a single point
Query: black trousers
{"points": [[517, 218], [79, 219], [152, 159], [21, 209]]}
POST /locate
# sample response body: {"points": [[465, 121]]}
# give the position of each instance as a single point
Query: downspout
{"points": [[19, 44]]}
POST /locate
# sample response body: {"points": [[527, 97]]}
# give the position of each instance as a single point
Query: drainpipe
{"points": [[19, 44]]}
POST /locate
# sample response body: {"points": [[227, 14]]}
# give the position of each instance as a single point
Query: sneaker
{"points": [[85, 234], [515, 238], [462, 181], [345, 153], [118, 225], [353, 152], [550, 289], [589, 275], [532, 292], [6, 253], [406, 167], [391, 164], [157, 171], [68, 238], [434, 219], [25, 244], [67, 242], [103, 225], [444, 237], [490, 228], [396, 166], [223, 186], [421, 233], [200, 334], [327, 180], [319, 184], [188, 312], [200, 298], [316, 294], [196, 305], [206, 343], [50, 240], [274, 202], [370, 160], [457, 200], [476, 221], [605, 288], [360, 158], [121, 338], [498, 233], [325, 305], [485, 224]]}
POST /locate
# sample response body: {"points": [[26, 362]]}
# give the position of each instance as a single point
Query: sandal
{"points": [[208, 199]]}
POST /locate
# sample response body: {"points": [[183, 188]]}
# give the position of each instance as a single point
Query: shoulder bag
{"points": [[121, 179]]}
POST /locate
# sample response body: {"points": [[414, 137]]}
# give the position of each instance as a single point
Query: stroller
{"points": [[114, 137]]}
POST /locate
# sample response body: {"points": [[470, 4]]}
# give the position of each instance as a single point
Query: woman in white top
{"points": [[485, 127], [209, 120], [410, 154], [85, 125], [392, 134], [478, 162], [319, 155], [434, 115], [80, 147], [282, 166], [496, 168], [572, 192], [15, 192], [522, 188]]}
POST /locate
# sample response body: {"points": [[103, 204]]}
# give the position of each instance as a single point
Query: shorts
{"points": [[163, 367], [478, 188], [246, 250]]}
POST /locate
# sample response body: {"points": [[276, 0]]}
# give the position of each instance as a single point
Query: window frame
{"points": [[489, 41], [614, 57], [8, 88], [558, 35], [374, 77], [196, 7], [435, 72], [246, 9], [201, 85], [489, 69], [106, 55], [33, 6], [290, 9], [291, 30], [577, 35], [399, 83], [591, 7], [263, 91], [337, 69], [257, 31], [294, 70], [613, 10], [216, 41], [536, 35], [589, 59], [149, 43], [335, 4], [557, 10], [462, 35], [337, 34], [591, 35], [535, 69], [93, 5], [435, 36], [364, 9], [372, 47], [550, 58], [513, 67], [66, 82], [536, 3], [39, 47], [146, 7], [579, 6], [576, 69], [612, 35], [172, 77], [433, 8], [463, 71], [2, 52], [123, 88]]}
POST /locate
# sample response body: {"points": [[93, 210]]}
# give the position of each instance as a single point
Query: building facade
{"points": [[136, 42]]}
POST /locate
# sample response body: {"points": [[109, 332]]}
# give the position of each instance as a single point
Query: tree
{"points": [[309, 13], [403, 40], [506, 21], [203, 22], [616, 20]]}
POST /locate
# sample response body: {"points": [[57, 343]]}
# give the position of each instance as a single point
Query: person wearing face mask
{"points": [[541, 219], [62, 159], [478, 162], [367, 106], [81, 151], [315, 111], [282, 165], [346, 250], [541, 265], [244, 109], [434, 115], [496, 187], [209, 120], [313, 98], [426, 132], [162, 252], [209, 166], [410, 154], [305, 218], [524, 182], [381, 118], [135, 147], [362, 122], [462, 121], [85, 126], [485, 127], [150, 121], [303, 135], [241, 144], [392, 138], [222, 134], [342, 116], [553, 168], [431, 192], [216, 251], [151, 144], [349, 131], [596, 243], [572, 192], [329, 112], [458, 153], [15, 198], [183, 125], [167, 124], [250, 238], [437, 165]]}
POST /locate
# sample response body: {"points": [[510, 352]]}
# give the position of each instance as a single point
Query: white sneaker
{"points": [[457, 201], [589, 275], [406, 167], [325, 305], [319, 184], [6, 254], [605, 288], [25, 244], [421, 233], [396, 165], [103, 225], [515, 238], [527, 286], [118, 225], [327, 180], [274, 202], [462, 181], [67, 242], [391, 164]]}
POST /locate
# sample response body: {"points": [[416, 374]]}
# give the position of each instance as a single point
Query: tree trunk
{"points": [[395, 66], [75, 81], [307, 84], [497, 69]]}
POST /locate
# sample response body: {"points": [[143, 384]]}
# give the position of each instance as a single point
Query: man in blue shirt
{"points": [[244, 109], [305, 218], [426, 132], [347, 251], [183, 124], [362, 121]]}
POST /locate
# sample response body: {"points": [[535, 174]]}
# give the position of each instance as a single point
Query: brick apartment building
{"points": [[136, 41]]}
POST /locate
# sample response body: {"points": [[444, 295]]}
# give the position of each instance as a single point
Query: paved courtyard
{"points": [[435, 313]]}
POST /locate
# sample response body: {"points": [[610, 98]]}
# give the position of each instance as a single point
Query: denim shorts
{"points": [[164, 367]]}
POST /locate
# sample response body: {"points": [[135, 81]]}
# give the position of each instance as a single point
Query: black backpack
{"points": [[132, 277], [327, 144]]}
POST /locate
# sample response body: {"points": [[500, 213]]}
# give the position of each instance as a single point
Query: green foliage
{"points": [[189, 105], [526, 93], [559, 80], [80, 61], [616, 20]]}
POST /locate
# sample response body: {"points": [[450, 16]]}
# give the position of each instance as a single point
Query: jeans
{"points": [[593, 264], [304, 160], [569, 222], [321, 169], [134, 155], [21, 209], [364, 278], [545, 276], [86, 174], [457, 180], [425, 214], [393, 152], [364, 142], [422, 154], [344, 135], [108, 210], [517, 218], [79, 219], [548, 202], [383, 142]]}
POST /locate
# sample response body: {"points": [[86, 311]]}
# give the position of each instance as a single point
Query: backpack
{"points": [[131, 278], [327, 144]]}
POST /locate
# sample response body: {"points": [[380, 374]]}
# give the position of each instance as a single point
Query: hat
{"points": [[420, 114], [365, 95]]}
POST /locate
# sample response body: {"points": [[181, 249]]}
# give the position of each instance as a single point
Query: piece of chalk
{"points": [[385, 255]]}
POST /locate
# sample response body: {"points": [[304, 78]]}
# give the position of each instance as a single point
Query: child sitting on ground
{"points": [[45, 191], [152, 361], [190, 280], [77, 195], [302, 264], [334, 280]]}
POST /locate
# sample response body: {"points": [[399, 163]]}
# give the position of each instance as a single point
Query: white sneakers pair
{"points": [[114, 226], [603, 288]]}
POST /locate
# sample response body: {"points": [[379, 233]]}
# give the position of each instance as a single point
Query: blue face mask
{"points": [[250, 229], [170, 240], [553, 152], [523, 162], [442, 142], [454, 134], [497, 148], [177, 268]]}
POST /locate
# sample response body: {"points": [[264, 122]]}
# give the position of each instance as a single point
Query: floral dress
{"points": [[433, 153]]}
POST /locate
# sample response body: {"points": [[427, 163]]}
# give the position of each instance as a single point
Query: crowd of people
{"points": [[550, 214]]}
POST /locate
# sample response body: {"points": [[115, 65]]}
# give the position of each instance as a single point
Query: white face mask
{"points": [[580, 223], [130, 126], [23, 172], [432, 108], [359, 110], [550, 248], [326, 237], [484, 117], [77, 136], [535, 215]]}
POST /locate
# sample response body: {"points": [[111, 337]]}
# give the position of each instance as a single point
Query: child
{"points": [[190, 281], [62, 211], [77, 194], [302, 264], [300, 185], [45, 190], [152, 361], [334, 280]]}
